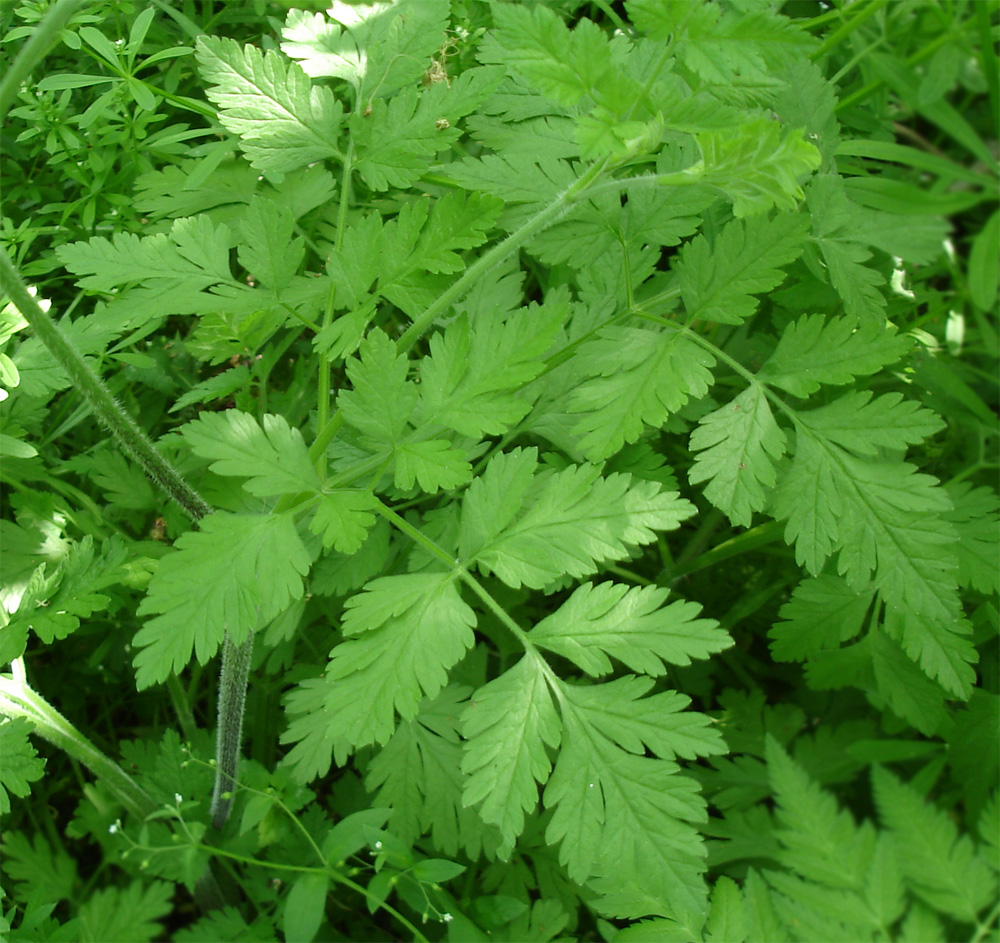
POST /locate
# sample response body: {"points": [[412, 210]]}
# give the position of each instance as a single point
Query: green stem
{"points": [[499, 252], [181, 707], [235, 659], [17, 699], [110, 413], [232, 698], [44, 37]]}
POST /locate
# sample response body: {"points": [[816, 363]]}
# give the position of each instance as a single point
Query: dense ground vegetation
{"points": [[577, 420]]}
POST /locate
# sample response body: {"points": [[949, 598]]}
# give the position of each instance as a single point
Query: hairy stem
{"points": [[91, 387], [232, 699], [131, 438]]}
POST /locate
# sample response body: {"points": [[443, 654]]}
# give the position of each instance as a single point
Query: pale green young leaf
{"points": [[718, 281], [637, 378], [757, 166], [21, 764], [821, 842], [235, 574], [535, 43], [738, 446], [471, 379], [432, 464], [269, 250], [125, 915], [283, 121], [382, 399], [572, 520], [883, 889], [609, 620], [322, 47], [404, 633], [508, 725], [343, 519], [624, 820], [814, 350], [943, 867]]}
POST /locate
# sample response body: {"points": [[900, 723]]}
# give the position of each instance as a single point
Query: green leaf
{"points": [[943, 867], [637, 378], [567, 522], [269, 252], [534, 43], [727, 919], [975, 521], [839, 231], [433, 465], [470, 381], [737, 448], [609, 620], [382, 399], [194, 254], [21, 764], [343, 519], [624, 820], [274, 458], [125, 915], [418, 775], [821, 842], [757, 167], [718, 281], [404, 633], [983, 276], [235, 574], [283, 122], [814, 351], [304, 907], [396, 140], [822, 612], [508, 725]]}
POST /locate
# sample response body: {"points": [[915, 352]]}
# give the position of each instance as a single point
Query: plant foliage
{"points": [[595, 406]]}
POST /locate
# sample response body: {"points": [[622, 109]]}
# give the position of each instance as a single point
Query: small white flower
{"points": [[178, 798], [114, 826], [447, 918]]}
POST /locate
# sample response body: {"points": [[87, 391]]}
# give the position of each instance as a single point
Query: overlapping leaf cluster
{"points": [[451, 513]]}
